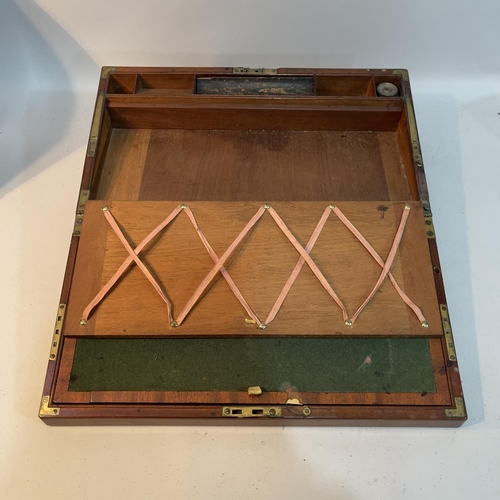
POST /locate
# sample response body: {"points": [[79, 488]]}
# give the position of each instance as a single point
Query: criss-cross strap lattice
{"points": [[380, 262], [223, 270], [129, 260], [133, 257], [305, 255], [291, 280], [385, 265], [219, 264]]}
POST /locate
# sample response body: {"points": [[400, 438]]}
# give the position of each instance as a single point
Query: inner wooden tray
{"points": [[226, 142]]}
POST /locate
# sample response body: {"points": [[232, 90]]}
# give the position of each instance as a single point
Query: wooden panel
{"points": [[232, 116], [394, 169], [124, 164], [255, 165], [260, 267]]}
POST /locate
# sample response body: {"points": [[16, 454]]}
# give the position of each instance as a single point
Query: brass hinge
{"points": [[82, 199], [251, 411], [56, 338], [429, 227], [106, 70], [404, 74], [45, 410], [448, 335], [96, 124], [255, 71], [458, 411]]}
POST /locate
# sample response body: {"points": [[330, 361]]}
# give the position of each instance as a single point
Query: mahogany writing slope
{"points": [[253, 243]]}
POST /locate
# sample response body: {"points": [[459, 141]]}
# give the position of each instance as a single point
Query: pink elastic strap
{"points": [[217, 267], [388, 263], [308, 260], [126, 264], [142, 267], [291, 280], [379, 261], [223, 270]]}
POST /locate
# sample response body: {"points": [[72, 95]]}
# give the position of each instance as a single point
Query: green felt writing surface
{"points": [[222, 364]]}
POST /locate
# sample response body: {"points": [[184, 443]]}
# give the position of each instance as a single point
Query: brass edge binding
{"points": [[251, 411], [448, 335], [458, 411], [404, 74], [255, 71], [82, 199], [412, 127], [106, 70], [429, 227], [96, 125], [56, 337], [45, 410]]}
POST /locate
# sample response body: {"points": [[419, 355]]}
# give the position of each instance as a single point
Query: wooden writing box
{"points": [[254, 243]]}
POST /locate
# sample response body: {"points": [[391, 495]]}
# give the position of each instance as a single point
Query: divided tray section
{"points": [[234, 84]]}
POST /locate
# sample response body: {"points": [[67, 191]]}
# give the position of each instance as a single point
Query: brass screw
{"points": [[262, 326], [227, 411], [184, 206], [420, 164], [267, 206], [407, 207], [306, 411], [452, 357], [348, 322], [272, 412], [430, 233], [83, 322], [425, 324], [174, 324], [331, 206], [104, 208]]}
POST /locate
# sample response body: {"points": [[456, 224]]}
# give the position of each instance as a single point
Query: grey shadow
{"points": [[438, 119], [37, 95]]}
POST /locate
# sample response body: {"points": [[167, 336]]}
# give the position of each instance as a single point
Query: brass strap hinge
{"points": [[56, 338], [256, 71], [45, 410], [80, 209], [448, 335], [251, 411], [429, 227], [458, 411], [96, 124]]}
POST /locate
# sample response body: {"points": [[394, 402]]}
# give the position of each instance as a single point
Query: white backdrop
{"points": [[50, 54]]}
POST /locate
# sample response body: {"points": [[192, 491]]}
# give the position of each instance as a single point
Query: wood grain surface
{"points": [[233, 165], [260, 267]]}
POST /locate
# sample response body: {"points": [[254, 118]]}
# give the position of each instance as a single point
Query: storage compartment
{"points": [[259, 238]]}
